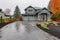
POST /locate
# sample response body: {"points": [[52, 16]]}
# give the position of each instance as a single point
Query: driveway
{"points": [[24, 31]]}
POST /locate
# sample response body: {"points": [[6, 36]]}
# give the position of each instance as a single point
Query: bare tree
{"points": [[7, 11]]}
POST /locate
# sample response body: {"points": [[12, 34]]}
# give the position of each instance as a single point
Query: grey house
{"points": [[34, 14]]}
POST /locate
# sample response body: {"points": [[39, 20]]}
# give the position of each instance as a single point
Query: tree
{"points": [[7, 11], [16, 12], [55, 6]]}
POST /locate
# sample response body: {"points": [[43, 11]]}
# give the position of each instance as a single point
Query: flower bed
{"points": [[3, 24], [53, 30]]}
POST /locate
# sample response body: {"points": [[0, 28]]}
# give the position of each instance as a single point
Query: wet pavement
{"points": [[24, 31]]}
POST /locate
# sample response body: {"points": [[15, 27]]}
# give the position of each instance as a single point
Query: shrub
{"points": [[20, 18], [58, 15], [7, 20], [53, 17]]}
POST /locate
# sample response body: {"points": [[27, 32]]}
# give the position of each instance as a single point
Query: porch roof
{"points": [[28, 14], [42, 10]]}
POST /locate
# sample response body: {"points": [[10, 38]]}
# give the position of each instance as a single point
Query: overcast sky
{"points": [[11, 4]]}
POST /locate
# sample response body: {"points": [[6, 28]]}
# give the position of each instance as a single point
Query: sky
{"points": [[11, 4]]}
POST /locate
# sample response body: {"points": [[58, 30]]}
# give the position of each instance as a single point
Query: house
{"points": [[34, 14], [3, 14]]}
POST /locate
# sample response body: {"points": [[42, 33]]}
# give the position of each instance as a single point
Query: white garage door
{"points": [[25, 18], [32, 18]]}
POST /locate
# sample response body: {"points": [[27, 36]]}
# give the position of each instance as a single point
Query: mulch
{"points": [[55, 31], [3, 24]]}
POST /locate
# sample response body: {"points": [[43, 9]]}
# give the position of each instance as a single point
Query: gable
{"points": [[44, 10], [29, 7]]}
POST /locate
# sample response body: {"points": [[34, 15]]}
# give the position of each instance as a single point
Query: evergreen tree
{"points": [[16, 12]]}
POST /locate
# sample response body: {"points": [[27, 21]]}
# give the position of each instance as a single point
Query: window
{"points": [[30, 10]]}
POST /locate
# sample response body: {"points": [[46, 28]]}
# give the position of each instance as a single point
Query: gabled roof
{"points": [[44, 9], [29, 7], [7, 15], [2, 12], [37, 8], [28, 15]]}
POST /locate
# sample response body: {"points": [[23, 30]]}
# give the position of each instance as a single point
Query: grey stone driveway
{"points": [[24, 31]]}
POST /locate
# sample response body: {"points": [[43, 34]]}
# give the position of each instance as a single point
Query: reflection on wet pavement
{"points": [[17, 24], [24, 31]]}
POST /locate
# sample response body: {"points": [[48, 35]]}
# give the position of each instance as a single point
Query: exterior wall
{"points": [[30, 11], [2, 14]]}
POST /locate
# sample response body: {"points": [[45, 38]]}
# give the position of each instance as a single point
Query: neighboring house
{"points": [[3, 14], [35, 14]]}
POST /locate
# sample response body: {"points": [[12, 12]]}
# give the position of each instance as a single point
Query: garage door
{"points": [[25, 18], [32, 18]]}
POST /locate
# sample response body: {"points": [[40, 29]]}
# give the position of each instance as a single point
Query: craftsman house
{"points": [[35, 14]]}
